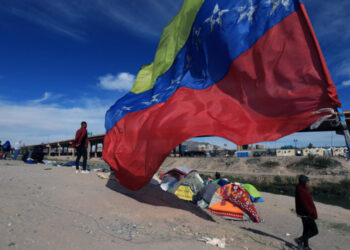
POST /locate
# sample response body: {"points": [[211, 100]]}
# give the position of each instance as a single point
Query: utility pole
{"points": [[345, 128]]}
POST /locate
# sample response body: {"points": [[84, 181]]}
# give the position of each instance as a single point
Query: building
{"points": [[285, 152], [313, 151], [339, 151]]}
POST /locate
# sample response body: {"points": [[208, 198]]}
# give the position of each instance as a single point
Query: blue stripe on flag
{"points": [[222, 31]]}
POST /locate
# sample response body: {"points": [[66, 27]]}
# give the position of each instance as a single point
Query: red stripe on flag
{"points": [[331, 87], [269, 92]]}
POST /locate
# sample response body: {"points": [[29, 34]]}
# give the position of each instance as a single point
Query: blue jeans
{"points": [[16, 154]]}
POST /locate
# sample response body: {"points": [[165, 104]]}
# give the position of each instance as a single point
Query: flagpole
{"points": [[345, 128]]}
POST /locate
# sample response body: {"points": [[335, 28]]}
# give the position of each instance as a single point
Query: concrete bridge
{"points": [[95, 142]]}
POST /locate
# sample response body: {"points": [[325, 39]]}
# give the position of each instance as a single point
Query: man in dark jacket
{"points": [[305, 209], [81, 144]]}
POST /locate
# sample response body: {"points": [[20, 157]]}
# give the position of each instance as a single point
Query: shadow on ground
{"points": [[154, 195], [286, 243]]}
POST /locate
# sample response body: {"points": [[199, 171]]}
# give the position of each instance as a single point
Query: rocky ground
{"points": [[45, 207]]}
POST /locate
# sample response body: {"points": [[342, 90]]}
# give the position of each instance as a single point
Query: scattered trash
{"points": [[12, 244], [202, 204], [47, 168], [287, 234], [214, 242], [47, 162], [103, 175]]}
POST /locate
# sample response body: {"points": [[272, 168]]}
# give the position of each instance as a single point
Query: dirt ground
{"points": [[45, 207]]}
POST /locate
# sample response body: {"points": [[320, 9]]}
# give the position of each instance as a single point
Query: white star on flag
{"points": [[247, 11], [215, 17], [276, 3], [127, 108], [189, 62], [154, 98], [147, 103], [174, 82], [196, 40]]}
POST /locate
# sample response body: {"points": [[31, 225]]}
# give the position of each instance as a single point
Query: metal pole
{"points": [[345, 130]]}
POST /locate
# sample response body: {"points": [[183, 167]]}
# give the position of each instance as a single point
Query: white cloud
{"points": [[46, 96], [61, 17], [122, 81], [69, 18], [346, 83], [35, 123], [144, 18]]}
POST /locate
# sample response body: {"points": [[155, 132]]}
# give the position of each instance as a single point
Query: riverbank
{"points": [[330, 177], [53, 208]]}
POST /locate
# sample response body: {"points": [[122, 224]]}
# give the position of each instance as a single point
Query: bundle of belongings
{"points": [[35, 155], [232, 201]]}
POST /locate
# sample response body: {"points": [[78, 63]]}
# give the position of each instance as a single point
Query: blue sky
{"points": [[66, 61]]}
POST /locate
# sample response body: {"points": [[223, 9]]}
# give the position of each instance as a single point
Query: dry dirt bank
{"points": [[53, 208]]}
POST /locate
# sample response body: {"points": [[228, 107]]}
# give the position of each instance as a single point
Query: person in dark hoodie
{"points": [[305, 209], [81, 143]]}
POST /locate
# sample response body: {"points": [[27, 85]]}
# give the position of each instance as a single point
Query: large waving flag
{"points": [[244, 70]]}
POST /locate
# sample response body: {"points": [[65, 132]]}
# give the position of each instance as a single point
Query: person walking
{"points": [[6, 148], [81, 143], [305, 209], [17, 149]]}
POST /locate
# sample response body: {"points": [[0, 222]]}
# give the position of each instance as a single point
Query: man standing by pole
{"points": [[81, 144]]}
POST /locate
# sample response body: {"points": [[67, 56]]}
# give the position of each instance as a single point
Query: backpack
{"points": [[6, 146]]}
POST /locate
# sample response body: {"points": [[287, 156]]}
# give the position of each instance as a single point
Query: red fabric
{"points": [[272, 90], [304, 204], [79, 136], [239, 196]]}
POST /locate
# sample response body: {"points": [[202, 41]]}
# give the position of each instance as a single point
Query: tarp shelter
{"points": [[178, 173], [254, 193], [240, 197], [193, 180], [184, 192], [207, 192], [228, 210]]}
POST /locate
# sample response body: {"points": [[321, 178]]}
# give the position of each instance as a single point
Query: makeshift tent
{"points": [[223, 182], [228, 210], [174, 175], [207, 192], [239, 196], [193, 181], [254, 193], [184, 192], [167, 182], [178, 173]]}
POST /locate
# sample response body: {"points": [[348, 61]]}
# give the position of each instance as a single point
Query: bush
{"points": [[253, 161], [314, 161], [269, 164], [277, 179]]}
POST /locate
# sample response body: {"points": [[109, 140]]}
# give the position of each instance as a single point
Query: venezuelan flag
{"points": [[244, 70]]}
